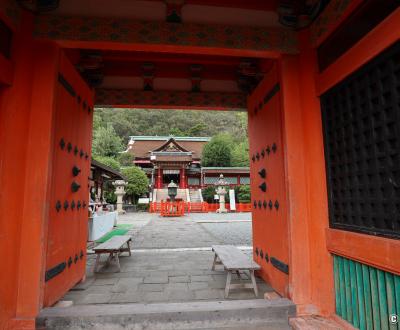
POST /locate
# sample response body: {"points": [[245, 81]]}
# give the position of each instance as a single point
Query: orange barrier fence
{"points": [[154, 207], [243, 207], [172, 209], [215, 207], [202, 207], [197, 207]]}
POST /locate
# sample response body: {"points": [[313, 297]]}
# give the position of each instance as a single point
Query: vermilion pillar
{"points": [[26, 122], [159, 178], [182, 178], [311, 277]]}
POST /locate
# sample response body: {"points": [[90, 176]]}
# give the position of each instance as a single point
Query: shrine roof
{"points": [[143, 146], [171, 146], [225, 170], [166, 138], [106, 171]]}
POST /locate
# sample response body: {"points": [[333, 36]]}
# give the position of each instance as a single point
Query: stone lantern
{"points": [[120, 192], [221, 192], [172, 190]]}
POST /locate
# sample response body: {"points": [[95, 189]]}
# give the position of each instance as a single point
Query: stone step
{"points": [[227, 314]]}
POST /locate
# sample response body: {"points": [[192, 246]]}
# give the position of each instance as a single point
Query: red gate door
{"points": [[68, 208], [268, 187]]}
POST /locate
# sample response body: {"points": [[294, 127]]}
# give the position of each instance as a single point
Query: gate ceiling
{"points": [[171, 80], [196, 54]]}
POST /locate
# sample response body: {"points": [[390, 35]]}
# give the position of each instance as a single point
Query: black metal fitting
{"points": [[262, 173], [76, 170], [75, 186], [62, 144], [58, 206]]}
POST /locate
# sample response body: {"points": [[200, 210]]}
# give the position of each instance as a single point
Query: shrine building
{"points": [[178, 159]]}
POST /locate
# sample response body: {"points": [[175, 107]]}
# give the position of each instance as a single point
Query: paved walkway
{"points": [[171, 261], [195, 230]]}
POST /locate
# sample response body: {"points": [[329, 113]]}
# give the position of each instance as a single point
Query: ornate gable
{"points": [[171, 146]]}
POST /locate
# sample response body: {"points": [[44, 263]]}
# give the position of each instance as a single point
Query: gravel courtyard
{"points": [[171, 261]]}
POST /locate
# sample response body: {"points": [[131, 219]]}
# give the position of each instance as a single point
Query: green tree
{"points": [[106, 142], [239, 130], [218, 152], [97, 120], [138, 183], [110, 197], [126, 158], [108, 161], [175, 131], [243, 194], [197, 129], [208, 194], [240, 154]]}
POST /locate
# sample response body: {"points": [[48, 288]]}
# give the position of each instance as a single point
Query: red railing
{"points": [[202, 207], [172, 209], [196, 207], [243, 207], [215, 207], [154, 207]]}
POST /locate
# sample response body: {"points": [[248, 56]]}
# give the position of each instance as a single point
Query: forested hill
{"points": [[127, 122]]}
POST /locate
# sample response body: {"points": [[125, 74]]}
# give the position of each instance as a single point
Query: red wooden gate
{"points": [[268, 185], [68, 209]]}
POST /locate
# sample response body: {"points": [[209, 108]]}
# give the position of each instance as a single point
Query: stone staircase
{"points": [[195, 196], [228, 314], [195, 200]]}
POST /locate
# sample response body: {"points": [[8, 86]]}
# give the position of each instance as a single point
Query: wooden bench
{"points": [[235, 260], [114, 247]]}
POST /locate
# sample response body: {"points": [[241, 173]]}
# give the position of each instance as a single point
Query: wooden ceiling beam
{"points": [[115, 56], [264, 5], [190, 38], [168, 71], [126, 98]]}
